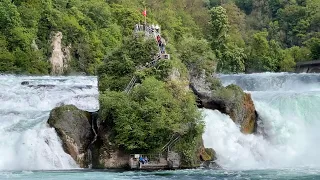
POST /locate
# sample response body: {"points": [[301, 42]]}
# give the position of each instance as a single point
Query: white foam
{"points": [[290, 124], [26, 142]]}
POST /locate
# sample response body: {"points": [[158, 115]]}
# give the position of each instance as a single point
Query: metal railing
{"points": [[175, 138], [131, 84], [152, 158]]}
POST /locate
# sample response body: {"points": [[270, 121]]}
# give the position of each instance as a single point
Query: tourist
{"points": [[158, 38], [157, 29], [163, 46], [136, 29], [141, 160], [152, 28]]}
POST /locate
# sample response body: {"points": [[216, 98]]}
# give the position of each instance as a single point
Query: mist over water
{"points": [[26, 141], [289, 109]]}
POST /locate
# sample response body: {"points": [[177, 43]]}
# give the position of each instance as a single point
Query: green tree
{"points": [[219, 27], [6, 58], [259, 59], [245, 5], [287, 64], [314, 46], [197, 55], [232, 59], [300, 53], [145, 120]]}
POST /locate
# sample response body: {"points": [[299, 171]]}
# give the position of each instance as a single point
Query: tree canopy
{"points": [[97, 28]]}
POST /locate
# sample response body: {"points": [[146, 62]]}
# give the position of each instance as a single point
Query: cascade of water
{"points": [[26, 141], [288, 105]]}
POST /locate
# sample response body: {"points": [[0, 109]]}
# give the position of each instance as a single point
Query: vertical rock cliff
{"points": [[60, 56]]}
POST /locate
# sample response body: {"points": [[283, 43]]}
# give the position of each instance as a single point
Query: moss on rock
{"points": [[207, 154], [74, 129]]}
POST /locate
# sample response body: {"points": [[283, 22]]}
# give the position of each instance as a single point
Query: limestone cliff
{"points": [[60, 56]]}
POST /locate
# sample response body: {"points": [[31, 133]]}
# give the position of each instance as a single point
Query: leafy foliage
{"points": [[266, 31], [95, 29], [145, 120], [197, 55]]}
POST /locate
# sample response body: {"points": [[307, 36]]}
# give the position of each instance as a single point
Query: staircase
{"points": [[149, 34], [134, 78], [175, 138], [131, 84]]}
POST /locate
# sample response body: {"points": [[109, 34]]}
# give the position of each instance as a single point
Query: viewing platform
{"points": [[150, 31], [153, 31], [154, 162], [308, 67]]}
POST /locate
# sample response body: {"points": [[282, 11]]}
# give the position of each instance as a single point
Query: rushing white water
{"points": [[288, 105], [26, 141]]}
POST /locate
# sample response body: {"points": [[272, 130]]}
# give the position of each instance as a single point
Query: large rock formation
{"points": [[229, 100], [74, 128], [106, 154], [60, 56]]}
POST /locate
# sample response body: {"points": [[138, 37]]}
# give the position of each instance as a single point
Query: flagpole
{"points": [[145, 17]]}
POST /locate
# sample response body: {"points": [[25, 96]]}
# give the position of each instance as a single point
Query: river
{"points": [[284, 148]]}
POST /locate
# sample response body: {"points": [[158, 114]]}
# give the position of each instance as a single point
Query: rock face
{"points": [[60, 56], [74, 128], [229, 100], [207, 154], [105, 154]]}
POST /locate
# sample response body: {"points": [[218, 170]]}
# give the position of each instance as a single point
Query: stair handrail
{"points": [[131, 84], [174, 138]]}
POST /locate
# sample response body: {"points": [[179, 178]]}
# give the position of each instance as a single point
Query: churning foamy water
{"points": [[288, 105], [289, 126], [26, 141]]}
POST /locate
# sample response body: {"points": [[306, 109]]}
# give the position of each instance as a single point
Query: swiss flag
{"points": [[144, 13]]}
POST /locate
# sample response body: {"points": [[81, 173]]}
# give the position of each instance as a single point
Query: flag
{"points": [[144, 13]]}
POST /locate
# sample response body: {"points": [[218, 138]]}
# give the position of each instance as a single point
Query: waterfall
{"points": [[288, 106], [26, 141]]}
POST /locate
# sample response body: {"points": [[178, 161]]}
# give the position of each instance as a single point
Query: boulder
{"points": [[230, 100], [73, 126], [208, 157], [207, 154]]}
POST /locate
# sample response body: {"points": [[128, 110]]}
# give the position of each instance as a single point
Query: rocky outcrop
{"points": [[207, 154], [50, 86], [208, 157], [106, 154], [74, 128], [229, 100], [60, 56]]}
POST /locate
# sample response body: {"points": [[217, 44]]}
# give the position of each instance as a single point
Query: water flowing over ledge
{"points": [[26, 141], [288, 106]]}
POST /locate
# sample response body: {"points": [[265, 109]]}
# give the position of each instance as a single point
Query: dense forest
{"points": [[236, 35]]}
